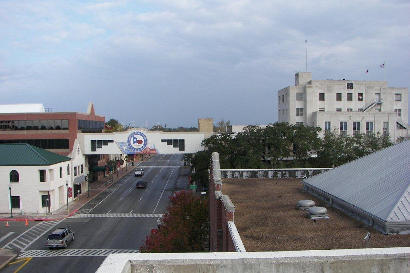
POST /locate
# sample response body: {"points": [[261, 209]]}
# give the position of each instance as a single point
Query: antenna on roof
{"points": [[306, 54]]}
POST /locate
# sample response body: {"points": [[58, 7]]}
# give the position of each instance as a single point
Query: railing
{"points": [[236, 239], [272, 173]]}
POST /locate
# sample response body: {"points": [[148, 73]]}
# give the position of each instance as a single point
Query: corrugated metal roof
{"points": [[22, 108], [378, 183], [22, 154]]}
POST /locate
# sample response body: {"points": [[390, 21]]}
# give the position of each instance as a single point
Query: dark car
{"points": [[141, 184], [60, 237]]}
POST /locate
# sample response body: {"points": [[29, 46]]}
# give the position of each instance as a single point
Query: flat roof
{"points": [[267, 220]]}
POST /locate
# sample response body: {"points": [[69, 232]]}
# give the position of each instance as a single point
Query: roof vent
{"points": [[317, 213], [305, 204]]}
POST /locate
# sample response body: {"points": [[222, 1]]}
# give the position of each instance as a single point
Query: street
{"points": [[116, 221]]}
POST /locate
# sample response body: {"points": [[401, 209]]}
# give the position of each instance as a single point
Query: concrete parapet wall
{"points": [[370, 260]]}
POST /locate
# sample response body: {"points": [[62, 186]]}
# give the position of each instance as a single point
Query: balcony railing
{"points": [[272, 173]]}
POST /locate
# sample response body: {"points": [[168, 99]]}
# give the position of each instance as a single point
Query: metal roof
{"points": [[22, 108], [22, 154], [378, 183]]}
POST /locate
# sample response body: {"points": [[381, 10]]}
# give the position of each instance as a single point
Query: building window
{"points": [[321, 109], [338, 109], [283, 98], [356, 127], [349, 96], [68, 169], [369, 127], [299, 112], [327, 126], [398, 112], [15, 202], [343, 127], [397, 97], [45, 201], [338, 96], [42, 175], [75, 171], [61, 172], [349, 85], [82, 168], [299, 96], [299, 123], [93, 145], [360, 96], [349, 109], [14, 176], [385, 128], [321, 96]]}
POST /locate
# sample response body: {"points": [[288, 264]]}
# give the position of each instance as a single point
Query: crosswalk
{"points": [[25, 239], [73, 252], [118, 215]]}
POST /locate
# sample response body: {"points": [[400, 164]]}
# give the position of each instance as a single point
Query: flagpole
{"points": [[306, 54], [384, 70]]}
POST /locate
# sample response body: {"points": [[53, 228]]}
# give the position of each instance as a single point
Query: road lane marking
{"points": [[117, 215], [163, 190], [26, 260], [6, 236], [73, 253]]}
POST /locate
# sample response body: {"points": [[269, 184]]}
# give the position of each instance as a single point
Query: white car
{"points": [[139, 172]]}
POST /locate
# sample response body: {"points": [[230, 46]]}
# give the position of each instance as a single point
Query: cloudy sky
{"points": [[173, 61]]}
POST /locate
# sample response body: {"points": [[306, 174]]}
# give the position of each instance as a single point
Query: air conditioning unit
{"points": [[316, 213], [305, 204]]}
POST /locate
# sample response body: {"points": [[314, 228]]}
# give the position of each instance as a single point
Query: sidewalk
{"points": [[95, 188]]}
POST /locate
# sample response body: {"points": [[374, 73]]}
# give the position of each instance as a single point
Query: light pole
{"points": [[11, 204], [66, 184], [88, 186]]}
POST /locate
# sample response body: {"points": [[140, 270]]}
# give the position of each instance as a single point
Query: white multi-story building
{"points": [[344, 106]]}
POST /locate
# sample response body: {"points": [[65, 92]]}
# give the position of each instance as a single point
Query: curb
{"points": [[9, 260]]}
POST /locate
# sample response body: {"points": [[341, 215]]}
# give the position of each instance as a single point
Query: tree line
{"points": [[283, 145]]}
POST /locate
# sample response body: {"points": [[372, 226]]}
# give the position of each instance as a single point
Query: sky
{"points": [[170, 62]]}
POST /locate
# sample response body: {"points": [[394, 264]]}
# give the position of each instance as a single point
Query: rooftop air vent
{"points": [[305, 204], [315, 213]]}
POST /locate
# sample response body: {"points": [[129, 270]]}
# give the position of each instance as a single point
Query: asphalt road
{"points": [[117, 221]]}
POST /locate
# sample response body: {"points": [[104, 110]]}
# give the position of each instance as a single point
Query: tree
{"points": [[184, 227], [113, 126], [222, 126]]}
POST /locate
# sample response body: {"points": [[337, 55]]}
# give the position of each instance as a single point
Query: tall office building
{"points": [[344, 106]]}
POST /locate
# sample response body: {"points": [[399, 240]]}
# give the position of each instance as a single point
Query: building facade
{"points": [[344, 106], [34, 180], [53, 131]]}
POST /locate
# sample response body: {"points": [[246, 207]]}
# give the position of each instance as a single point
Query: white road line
{"points": [[5, 236], [163, 190], [73, 252], [104, 199], [131, 211], [108, 211]]}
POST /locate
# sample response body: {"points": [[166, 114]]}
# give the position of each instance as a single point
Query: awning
{"points": [[99, 168], [79, 179]]}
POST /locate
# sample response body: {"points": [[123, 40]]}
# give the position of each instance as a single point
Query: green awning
{"points": [[98, 168]]}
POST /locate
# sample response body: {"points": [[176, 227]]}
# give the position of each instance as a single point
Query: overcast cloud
{"points": [[173, 61]]}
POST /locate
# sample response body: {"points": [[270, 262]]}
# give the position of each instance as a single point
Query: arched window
{"points": [[14, 176]]}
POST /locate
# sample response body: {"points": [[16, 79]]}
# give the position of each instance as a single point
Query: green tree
{"points": [[113, 126]]}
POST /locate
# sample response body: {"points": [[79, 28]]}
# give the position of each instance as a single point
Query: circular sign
{"points": [[137, 141]]}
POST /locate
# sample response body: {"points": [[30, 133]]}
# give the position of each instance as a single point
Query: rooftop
{"points": [[22, 108], [267, 220], [22, 154]]}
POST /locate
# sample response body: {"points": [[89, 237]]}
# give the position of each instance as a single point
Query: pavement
{"points": [[95, 188]]}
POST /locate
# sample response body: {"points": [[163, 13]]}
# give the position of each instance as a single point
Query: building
{"points": [[34, 180], [374, 189], [53, 131], [344, 106]]}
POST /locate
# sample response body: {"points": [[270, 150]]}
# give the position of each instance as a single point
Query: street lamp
{"points": [[88, 186], [11, 204]]}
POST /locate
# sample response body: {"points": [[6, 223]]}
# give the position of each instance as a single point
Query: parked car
{"points": [[60, 237], [139, 172], [141, 184]]}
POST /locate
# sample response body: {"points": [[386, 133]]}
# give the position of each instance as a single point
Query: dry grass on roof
{"points": [[267, 219]]}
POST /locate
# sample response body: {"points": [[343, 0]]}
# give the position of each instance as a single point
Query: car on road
{"points": [[60, 237], [141, 184], [139, 172]]}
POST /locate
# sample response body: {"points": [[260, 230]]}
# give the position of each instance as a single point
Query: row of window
{"points": [[343, 127], [176, 143], [15, 201], [42, 143], [99, 143], [299, 111], [15, 177], [45, 124], [90, 125], [339, 97]]}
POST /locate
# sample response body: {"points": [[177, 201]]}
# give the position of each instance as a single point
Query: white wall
{"points": [[30, 189]]}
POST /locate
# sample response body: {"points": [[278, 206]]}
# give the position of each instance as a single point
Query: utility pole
{"points": [[11, 204]]}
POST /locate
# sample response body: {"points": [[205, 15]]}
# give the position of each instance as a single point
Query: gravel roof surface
{"points": [[267, 219]]}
